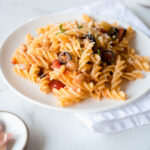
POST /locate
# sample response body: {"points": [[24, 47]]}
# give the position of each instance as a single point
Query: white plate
{"points": [[14, 125], [31, 91]]}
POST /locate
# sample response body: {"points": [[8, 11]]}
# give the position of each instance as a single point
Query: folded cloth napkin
{"points": [[130, 116]]}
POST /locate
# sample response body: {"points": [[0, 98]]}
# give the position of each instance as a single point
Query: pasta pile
{"points": [[77, 60]]}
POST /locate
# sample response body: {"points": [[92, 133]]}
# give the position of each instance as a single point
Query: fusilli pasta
{"points": [[79, 59]]}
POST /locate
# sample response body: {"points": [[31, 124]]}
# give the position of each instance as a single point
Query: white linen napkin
{"points": [[130, 116]]}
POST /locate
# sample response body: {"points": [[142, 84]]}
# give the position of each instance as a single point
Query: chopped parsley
{"points": [[62, 30], [80, 26], [99, 52]]}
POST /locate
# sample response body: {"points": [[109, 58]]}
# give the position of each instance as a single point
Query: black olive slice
{"points": [[117, 33], [89, 36], [108, 56], [41, 74], [64, 57], [113, 33]]}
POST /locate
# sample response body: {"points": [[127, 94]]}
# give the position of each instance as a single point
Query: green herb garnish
{"points": [[99, 52], [61, 29], [58, 33], [80, 26]]}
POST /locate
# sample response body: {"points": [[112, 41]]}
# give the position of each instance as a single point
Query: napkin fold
{"points": [[130, 116]]}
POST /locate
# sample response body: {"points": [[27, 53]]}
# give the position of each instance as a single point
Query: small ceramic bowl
{"points": [[16, 126]]}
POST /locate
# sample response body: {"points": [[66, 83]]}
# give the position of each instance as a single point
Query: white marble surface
{"points": [[60, 130]]}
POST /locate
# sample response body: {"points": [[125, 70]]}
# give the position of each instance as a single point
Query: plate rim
{"points": [[65, 109], [25, 126]]}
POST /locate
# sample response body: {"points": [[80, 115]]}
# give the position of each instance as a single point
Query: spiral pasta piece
{"points": [[103, 80], [25, 58], [96, 72], [34, 73], [114, 94], [29, 38], [139, 62], [73, 47], [85, 58], [21, 71], [116, 80], [132, 75], [68, 96], [47, 55], [44, 84]]}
